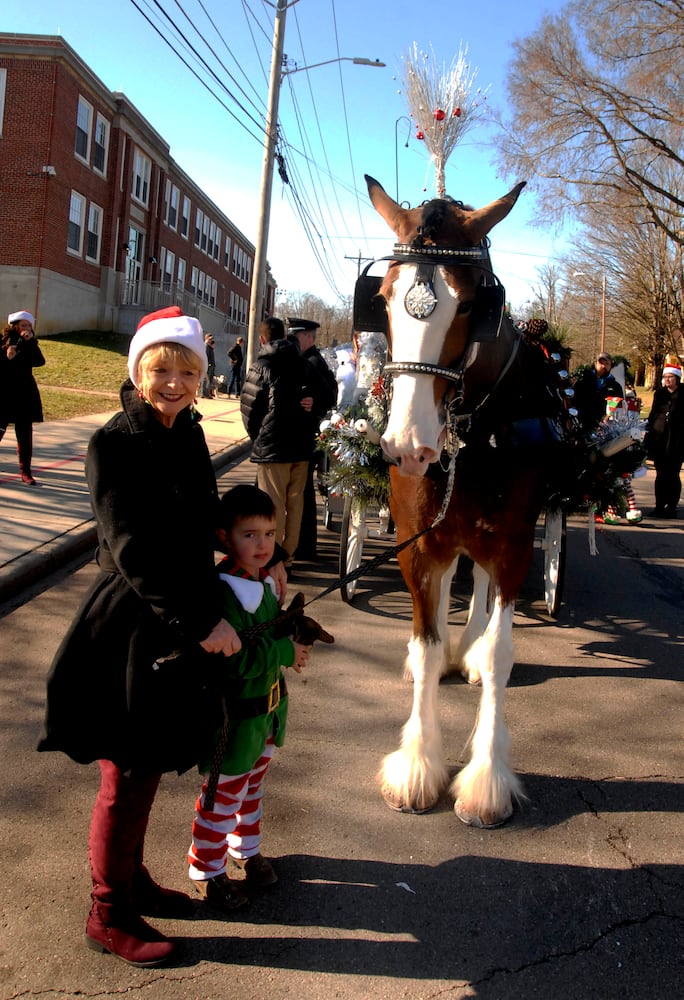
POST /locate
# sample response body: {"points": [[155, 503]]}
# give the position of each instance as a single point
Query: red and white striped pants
{"points": [[234, 825]]}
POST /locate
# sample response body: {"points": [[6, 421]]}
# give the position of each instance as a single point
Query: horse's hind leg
{"points": [[485, 788], [413, 777], [474, 628]]}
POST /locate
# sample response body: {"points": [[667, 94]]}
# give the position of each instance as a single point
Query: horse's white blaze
{"points": [[417, 772], [415, 428]]}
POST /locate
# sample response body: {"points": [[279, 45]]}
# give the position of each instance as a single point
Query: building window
{"points": [[205, 233], [217, 244], [84, 121], [198, 227], [94, 235], [142, 169], [185, 217], [194, 277], [226, 254], [77, 207], [182, 266], [3, 90], [101, 147], [212, 239], [173, 207], [169, 265], [167, 199], [212, 293]]}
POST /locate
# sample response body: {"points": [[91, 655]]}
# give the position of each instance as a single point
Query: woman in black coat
{"points": [[153, 492], [665, 441], [20, 402]]}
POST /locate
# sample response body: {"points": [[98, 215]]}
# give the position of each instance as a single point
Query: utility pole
{"points": [[256, 299], [359, 261]]}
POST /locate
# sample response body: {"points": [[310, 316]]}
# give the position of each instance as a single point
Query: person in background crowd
{"points": [[665, 441], [324, 386], [592, 388], [208, 380], [276, 404], [153, 491], [20, 402], [236, 356]]}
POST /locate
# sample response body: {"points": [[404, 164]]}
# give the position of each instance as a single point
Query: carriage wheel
{"points": [[352, 534], [553, 547]]}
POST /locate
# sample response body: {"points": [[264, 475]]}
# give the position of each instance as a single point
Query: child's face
{"points": [[251, 542]]}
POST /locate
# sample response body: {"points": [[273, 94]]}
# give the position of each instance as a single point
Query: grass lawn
{"points": [[82, 373]]}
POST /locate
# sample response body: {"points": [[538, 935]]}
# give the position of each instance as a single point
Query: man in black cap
{"points": [[324, 390]]}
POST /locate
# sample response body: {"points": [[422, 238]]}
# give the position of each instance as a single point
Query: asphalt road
{"points": [[579, 896]]}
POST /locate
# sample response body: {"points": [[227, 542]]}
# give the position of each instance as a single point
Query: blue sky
{"points": [[339, 121]]}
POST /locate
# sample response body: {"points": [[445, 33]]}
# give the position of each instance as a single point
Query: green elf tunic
{"points": [[256, 696]]}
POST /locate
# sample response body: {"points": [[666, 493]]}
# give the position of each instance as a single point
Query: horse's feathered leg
{"points": [[414, 776], [485, 788]]}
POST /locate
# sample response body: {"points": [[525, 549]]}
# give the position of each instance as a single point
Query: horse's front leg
{"points": [[413, 778], [478, 616], [485, 788]]}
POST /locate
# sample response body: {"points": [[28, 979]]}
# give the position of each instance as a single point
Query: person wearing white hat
{"points": [[20, 402], [665, 440], [154, 496]]}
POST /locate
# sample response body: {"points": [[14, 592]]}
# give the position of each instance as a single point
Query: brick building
{"points": [[98, 224]]}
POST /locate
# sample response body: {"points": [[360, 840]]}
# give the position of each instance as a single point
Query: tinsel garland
{"points": [[613, 451]]}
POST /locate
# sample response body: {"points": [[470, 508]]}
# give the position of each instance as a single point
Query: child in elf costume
{"points": [[256, 697]]}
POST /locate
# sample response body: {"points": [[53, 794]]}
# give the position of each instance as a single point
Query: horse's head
{"points": [[433, 290]]}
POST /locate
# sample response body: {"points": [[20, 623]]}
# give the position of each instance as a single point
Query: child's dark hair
{"points": [[243, 501]]}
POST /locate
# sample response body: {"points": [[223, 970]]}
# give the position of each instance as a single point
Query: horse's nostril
{"points": [[422, 458]]}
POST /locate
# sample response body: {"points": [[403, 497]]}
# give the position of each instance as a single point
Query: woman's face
{"points": [[169, 384]]}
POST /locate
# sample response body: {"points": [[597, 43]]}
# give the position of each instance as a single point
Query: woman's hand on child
{"points": [[279, 575], [301, 656], [222, 639]]}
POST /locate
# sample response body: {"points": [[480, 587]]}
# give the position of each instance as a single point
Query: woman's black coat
{"points": [[19, 396], [153, 491]]}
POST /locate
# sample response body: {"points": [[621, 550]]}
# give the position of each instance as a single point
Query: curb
{"points": [[29, 569]]}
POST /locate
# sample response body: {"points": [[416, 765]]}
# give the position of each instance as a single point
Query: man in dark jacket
{"points": [[665, 441], [236, 357], [324, 383], [276, 404], [592, 388]]}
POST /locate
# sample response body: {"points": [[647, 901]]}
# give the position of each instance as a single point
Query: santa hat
{"points": [[672, 370], [167, 326], [22, 314]]}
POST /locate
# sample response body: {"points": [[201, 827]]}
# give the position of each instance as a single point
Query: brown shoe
{"points": [[221, 893], [127, 936], [258, 870]]}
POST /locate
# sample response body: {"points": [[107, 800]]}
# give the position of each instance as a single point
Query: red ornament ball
{"points": [[438, 115], [420, 135], [456, 113]]}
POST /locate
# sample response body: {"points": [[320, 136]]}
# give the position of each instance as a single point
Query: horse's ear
{"points": [[369, 312], [386, 207], [487, 312]]}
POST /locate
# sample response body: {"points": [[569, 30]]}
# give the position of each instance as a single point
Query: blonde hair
{"points": [[170, 352]]}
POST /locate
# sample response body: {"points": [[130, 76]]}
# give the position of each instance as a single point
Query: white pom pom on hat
{"points": [[166, 326], [22, 314]]}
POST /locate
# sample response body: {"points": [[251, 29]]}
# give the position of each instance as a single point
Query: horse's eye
{"points": [[464, 307]]}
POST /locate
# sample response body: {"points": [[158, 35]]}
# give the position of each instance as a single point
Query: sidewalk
{"points": [[43, 527]]}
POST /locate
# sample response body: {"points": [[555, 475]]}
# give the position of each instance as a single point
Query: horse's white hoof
{"points": [[486, 821], [400, 804]]}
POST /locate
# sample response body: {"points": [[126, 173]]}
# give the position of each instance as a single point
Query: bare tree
{"points": [[596, 108]]}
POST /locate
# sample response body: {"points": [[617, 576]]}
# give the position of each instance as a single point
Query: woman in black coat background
{"points": [[153, 491], [665, 441], [20, 402]]}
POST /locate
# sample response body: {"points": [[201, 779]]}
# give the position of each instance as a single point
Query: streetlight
{"points": [[403, 118], [270, 135]]}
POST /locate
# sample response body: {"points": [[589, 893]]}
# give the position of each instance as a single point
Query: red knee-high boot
{"points": [[119, 816]]}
